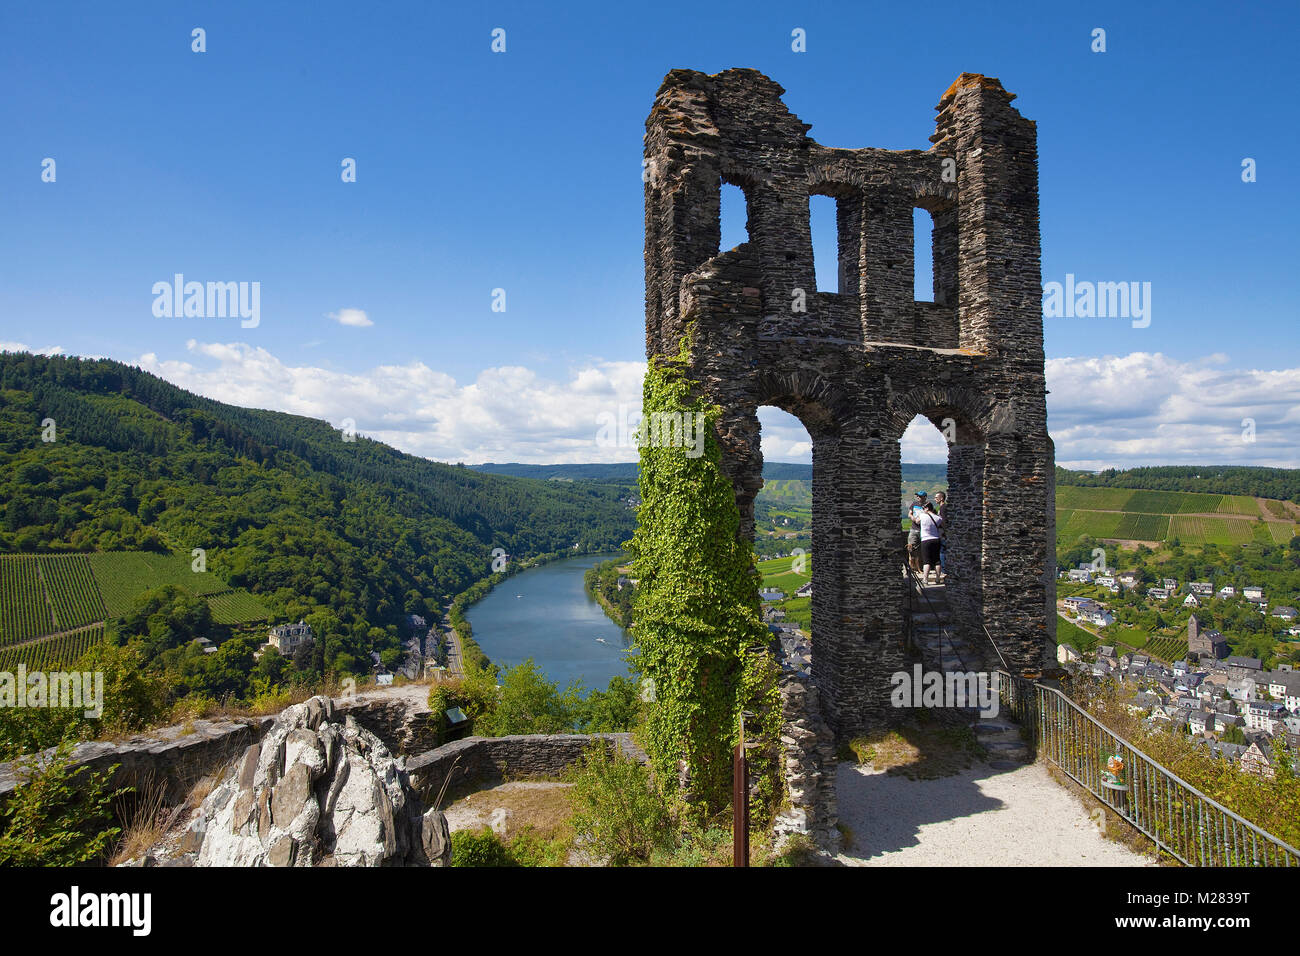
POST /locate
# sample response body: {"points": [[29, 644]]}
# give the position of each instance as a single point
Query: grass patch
{"points": [[924, 750]]}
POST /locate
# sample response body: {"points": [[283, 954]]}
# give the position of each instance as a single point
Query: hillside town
{"points": [[1227, 702], [423, 653]]}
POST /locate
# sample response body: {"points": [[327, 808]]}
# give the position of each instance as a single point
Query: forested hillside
{"points": [[1278, 483], [281, 504]]}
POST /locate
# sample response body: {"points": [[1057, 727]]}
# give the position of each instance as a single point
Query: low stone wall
{"points": [[167, 756], [487, 761], [404, 728]]}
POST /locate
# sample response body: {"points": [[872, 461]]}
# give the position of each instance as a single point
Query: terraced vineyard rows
{"points": [[122, 575], [1192, 503], [1239, 505], [1100, 499], [1193, 518], [236, 607], [51, 653], [1281, 533], [50, 594], [1143, 527], [1165, 502], [25, 612], [72, 590], [1221, 531], [1167, 649]]}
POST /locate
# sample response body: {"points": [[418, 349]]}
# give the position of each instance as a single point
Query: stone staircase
{"points": [[942, 649]]}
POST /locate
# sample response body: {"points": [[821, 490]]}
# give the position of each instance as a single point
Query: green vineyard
{"points": [[1167, 649], [1124, 514], [61, 650], [54, 606], [72, 590], [123, 575], [236, 607], [25, 611]]}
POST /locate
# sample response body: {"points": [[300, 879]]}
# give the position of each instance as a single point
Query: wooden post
{"points": [[740, 802]]}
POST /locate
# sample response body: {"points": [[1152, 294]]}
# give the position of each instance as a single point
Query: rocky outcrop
{"points": [[317, 791]]}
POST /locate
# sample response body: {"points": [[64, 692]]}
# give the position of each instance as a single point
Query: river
{"points": [[545, 613]]}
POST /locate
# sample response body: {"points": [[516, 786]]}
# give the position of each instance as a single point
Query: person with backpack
{"points": [[914, 534]]}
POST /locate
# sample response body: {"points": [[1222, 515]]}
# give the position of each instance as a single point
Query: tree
{"points": [[615, 709], [529, 704]]}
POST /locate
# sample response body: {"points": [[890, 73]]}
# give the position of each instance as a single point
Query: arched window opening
{"points": [[923, 256], [783, 541], [824, 226], [923, 450], [734, 215]]}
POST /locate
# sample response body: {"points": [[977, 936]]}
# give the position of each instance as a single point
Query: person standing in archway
{"points": [[914, 534], [941, 507], [930, 526]]}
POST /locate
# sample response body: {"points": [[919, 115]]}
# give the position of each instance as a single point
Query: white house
{"points": [[1199, 721], [1284, 686], [287, 638], [1065, 653], [1252, 593], [1226, 592], [1190, 601], [1098, 616], [1203, 588], [1264, 715]]}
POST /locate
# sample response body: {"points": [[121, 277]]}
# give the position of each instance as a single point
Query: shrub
{"points": [[527, 848], [618, 813], [479, 848], [57, 816]]}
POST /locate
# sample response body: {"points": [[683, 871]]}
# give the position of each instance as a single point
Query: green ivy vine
{"points": [[699, 631]]}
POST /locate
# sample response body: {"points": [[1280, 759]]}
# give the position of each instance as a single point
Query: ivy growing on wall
{"points": [[699, 631]]}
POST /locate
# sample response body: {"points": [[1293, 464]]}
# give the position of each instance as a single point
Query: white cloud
{"points": [[1110, 411], [508, 413], [354, 317], [1149, 408], [20, 347]]}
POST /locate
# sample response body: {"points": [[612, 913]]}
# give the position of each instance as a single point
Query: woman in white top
{"points": [[931, 526]]}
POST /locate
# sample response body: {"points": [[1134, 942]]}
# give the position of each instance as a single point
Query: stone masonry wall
{"points": [[477, 762], [856, 366], [808, 756]]}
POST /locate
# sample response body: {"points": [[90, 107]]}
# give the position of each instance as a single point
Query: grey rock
{"points": [[317, 792]]}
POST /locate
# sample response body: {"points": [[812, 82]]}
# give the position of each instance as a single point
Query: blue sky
{"points": [[522, 171]]}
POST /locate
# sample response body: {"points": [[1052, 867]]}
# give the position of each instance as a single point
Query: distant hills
{"points": [[1251, 480], [98, 456], [626, 472]]}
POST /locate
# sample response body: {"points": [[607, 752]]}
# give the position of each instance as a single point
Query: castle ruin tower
{"points": [[855, 366]]}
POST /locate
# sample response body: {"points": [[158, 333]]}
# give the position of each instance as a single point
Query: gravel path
{"points": [[979, 817]]}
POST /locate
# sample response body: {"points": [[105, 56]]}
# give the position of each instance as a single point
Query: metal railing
{"points": [[1180, 819]]}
